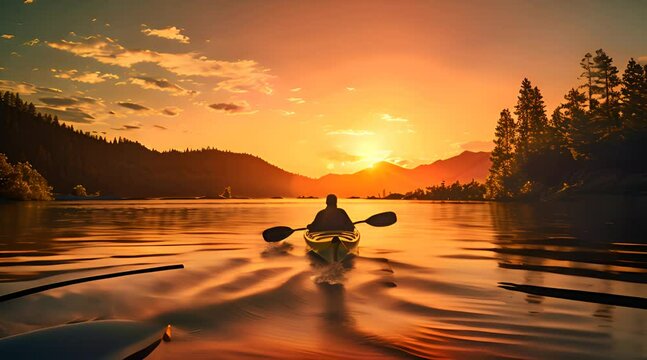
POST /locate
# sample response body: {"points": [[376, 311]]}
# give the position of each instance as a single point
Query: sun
{"points": [[370, 153]]}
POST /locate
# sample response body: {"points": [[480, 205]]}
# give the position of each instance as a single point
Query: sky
{"points": [[312, 87]]}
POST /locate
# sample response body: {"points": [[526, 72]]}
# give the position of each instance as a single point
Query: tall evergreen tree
{"points": [[607, 82], [500, 182], [634, 97], [531, 122], [558, 130], [588, 75], [580, 134], [523, 110]]}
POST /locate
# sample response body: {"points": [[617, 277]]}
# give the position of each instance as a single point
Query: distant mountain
{"points": [[388, 177], [123, 168]]}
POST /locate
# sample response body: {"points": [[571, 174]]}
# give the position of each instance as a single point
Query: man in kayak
{"points": [[331, 218]]}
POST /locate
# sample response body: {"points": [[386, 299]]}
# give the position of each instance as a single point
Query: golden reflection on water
{"points": [[425, 287]]}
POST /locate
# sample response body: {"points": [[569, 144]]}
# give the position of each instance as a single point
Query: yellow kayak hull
{"points": [[332, 246]]}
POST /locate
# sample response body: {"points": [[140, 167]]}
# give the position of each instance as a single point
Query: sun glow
{"points": [[371, 153]]}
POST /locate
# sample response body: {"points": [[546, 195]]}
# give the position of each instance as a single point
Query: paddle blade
{"points": [[382, 219], [277, 233]]}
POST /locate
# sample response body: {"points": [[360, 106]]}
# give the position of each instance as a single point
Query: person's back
{"points": [[332, 218]]}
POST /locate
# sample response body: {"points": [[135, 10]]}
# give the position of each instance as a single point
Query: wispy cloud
{"points": [[232, 108], [160, 127], [28, 1], [400, 162], [171, 33], [391, 118], [7, 36], [351, 132], [84, 77], [25, 88], [234, 76], [70, 114], [171, 111], [148, 82], [79, 109], [128, 127], [68, 101], [133, 106], [297, 89], [296, 100], [32, 42], [476, 145], [350, 88]]}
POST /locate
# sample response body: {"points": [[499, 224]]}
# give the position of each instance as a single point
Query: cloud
{"points": [[32, 42], [296, 100], [351, 132], [80, 109], [85, 77], [160, 84], [400, 162], [231, 108], [70, 114], [160, 127], [25, 88], [297, 89], [287, 113], [69, 101], [350, 88], [7, 36], [477, 145], [170, 32], [234, 76], [391, 118], [171, 111], [48, 90], [340, 156], [642, 60], [128, 127], [28, 1], [133, 106]]}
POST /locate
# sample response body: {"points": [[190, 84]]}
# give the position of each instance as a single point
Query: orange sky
{"points": [[312, 87]]}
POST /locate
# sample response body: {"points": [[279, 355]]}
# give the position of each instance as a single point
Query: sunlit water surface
{"points": [[425, 287]]}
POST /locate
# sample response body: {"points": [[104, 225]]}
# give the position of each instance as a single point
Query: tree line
{"points": [[119, 167], [472, 190], [593, 141]]}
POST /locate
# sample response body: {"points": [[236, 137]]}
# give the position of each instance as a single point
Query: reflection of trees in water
{"points": [[597, 238]]}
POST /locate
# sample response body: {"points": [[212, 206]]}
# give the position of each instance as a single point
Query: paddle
{"points": [[279, 233], [55, 285]]}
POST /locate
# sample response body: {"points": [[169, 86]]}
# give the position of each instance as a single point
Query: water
{"points": [[429, 286]]}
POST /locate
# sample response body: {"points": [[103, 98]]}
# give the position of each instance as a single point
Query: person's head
{"points": [[331, 200]]}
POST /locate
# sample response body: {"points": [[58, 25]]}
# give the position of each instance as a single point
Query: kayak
{"points": [[104, 339], [332, 246]]}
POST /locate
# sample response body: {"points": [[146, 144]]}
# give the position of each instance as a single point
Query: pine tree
{"points": [[523, 110], [588, 76], [580, 133], [531, 122], [634, 97], [607, 82], [500, 181], [557, 131]]}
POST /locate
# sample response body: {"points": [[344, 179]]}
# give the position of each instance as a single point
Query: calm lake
{"points": [[437, 284]]}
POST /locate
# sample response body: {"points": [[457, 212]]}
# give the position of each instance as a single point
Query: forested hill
{"points": [[67, 157]]}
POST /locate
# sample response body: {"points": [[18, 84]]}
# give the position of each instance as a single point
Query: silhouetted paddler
{"points": [[331, 218]]}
